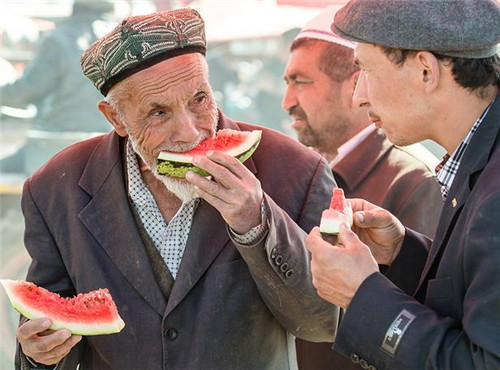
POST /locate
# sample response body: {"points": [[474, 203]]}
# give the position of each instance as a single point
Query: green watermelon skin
{"points": [[92, 313], [179, 168]]}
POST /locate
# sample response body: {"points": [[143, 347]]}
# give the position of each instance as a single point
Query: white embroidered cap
{"points": [[320, 28]]}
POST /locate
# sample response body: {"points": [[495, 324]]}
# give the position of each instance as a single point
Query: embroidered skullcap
{"points": [[319, 28], [455, 28], [139, 42]]}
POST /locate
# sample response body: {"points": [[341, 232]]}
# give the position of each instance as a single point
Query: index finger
{"points": [[33, 327], [231, 163]]}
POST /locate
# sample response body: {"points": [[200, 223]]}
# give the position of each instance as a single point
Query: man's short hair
{"points": [[336, 61]]}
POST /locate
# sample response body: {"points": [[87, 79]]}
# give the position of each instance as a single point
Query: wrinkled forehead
{"points": [[177, 76]]}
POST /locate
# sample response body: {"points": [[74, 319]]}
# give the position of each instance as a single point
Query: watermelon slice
{"points": [[239, 144], [339, 211], [93, 313]]}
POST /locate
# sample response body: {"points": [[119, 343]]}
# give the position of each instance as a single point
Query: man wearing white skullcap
{"points": [[321, 77]]}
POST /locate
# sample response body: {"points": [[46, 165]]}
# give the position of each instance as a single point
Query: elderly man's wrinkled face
{"points": [[169, 106]]}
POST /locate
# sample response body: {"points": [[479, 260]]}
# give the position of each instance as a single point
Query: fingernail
{"points": [[343, 226], [46, 323], [189, 175], [361, 217], [196, 160], [210, 153]]}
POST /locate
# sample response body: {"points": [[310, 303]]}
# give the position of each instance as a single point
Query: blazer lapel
{"points": [[207, 238], [109, 219], [474, 160]]}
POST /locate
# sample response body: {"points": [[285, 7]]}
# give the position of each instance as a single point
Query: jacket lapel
{"points": [[375, 142], [103, 179], [473, 162], [207, 238]]}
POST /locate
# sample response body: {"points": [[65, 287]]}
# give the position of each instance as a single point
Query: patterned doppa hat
{"points": [[140, 42]]}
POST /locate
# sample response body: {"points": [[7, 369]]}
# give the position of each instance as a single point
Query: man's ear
{"points": [[429, 70], [112, 116]]}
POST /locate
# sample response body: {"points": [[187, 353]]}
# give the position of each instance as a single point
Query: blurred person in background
{"points": [[321, 76], [53, 82]]}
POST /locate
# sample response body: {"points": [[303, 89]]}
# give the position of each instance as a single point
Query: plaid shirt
{"points": [[448, 168]]}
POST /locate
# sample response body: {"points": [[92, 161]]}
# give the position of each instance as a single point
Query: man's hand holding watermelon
{"points": [[45, 346], [234, 191], [376, 239]]}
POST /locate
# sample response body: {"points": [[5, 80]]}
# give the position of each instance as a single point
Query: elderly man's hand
{"points": [[338, 270], [234, 191], [45, 346]]}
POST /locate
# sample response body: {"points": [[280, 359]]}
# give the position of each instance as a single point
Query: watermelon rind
{"points": [[331, 220], [98, 327], [178, 164]]}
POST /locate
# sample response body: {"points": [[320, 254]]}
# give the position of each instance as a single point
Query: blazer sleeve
{"points": [[431, 340], [280, 266]]}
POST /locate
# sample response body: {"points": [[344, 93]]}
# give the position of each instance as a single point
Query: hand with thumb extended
{"points": [[378, 229]]}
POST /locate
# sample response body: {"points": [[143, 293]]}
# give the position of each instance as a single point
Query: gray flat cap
{"points": [[457, 28]]}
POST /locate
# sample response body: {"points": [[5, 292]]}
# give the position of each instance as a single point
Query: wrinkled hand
{"points": [[45, 346], [338, 270], [378, 229], [236, 193]]}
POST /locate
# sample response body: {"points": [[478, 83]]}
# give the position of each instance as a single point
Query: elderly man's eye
{"points": [[200, 98]]}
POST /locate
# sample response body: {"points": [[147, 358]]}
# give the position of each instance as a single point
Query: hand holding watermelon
{"points": [[48, 334], [234, 191], [43, 345]]}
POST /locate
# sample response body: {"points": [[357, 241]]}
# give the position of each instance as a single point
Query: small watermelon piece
{"points": [[340, 211], [92, 313], [239, 144]]}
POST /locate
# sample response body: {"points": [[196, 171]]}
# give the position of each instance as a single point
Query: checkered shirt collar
{"points": [[448, 168]]}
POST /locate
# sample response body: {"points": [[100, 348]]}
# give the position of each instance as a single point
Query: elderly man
{"points": [[321, 76], [429, 70], [206, 273]]}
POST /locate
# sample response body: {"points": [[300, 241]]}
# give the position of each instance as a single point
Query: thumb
{"points": [[379, 218], [346, 236]]}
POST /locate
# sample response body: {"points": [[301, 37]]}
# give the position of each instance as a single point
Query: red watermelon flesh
{"points": [[340, 211], [238, 144], [92, 313]]}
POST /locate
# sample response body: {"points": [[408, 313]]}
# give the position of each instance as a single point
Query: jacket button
{"points": [[371, 367], [171, 333], [363, 364], [274, 251], [354, 358], [278, 260], [284, 267], [289, 273]]}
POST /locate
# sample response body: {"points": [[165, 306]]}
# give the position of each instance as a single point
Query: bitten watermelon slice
{"points": [[239, 144], [339, 211], [93, 313]]}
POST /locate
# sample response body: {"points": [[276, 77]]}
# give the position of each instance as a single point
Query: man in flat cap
{"points": [[429, 70], [207, 273], [321, 76]]}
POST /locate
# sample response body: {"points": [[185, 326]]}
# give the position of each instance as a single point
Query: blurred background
{"points": [[46, 104]]}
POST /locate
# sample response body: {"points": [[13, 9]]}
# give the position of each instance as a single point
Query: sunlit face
{"points": [[391, 94], [315, 101], [169, 106]]}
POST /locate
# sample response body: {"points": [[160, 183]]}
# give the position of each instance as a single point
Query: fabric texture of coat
{"points": [[399, 179], [438, 307], [231, 306]]}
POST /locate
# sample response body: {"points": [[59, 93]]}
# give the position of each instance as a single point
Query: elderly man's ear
{"points": [[113, 117]]}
